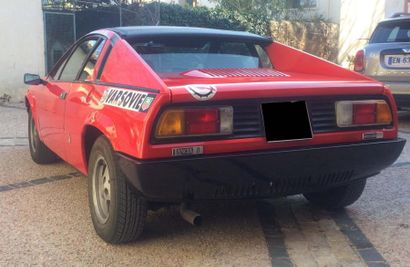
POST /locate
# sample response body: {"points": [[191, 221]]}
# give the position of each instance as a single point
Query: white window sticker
{"points": [[128, 99]]}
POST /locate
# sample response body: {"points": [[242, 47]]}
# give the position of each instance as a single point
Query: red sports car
{"points": [[171, 115]]}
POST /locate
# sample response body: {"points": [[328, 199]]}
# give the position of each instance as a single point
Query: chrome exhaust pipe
{"points": [[190, 216]]}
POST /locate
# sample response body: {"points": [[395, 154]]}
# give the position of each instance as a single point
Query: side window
{"points": [[57, 72], [58, 68], [75, 62], [88, 69]]}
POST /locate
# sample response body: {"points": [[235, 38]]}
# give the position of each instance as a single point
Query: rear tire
{"points": [[118, 211], [337, 197], [39, 152]]}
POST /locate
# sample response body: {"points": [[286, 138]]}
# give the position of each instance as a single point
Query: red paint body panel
{"points": [[282, 89], [285, 58], [125, 66], [63, 123]]}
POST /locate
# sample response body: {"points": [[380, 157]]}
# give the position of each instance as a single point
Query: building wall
{"points": [[329, 9], [394, 6], [22, 45], [357, 20]]}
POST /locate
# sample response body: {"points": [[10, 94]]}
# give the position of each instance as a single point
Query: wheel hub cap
{"points": [[101, 183]]}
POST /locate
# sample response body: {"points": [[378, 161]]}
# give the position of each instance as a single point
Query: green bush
{"points": [[194, 17], [251, 22], [176, 15], [222, 17]]}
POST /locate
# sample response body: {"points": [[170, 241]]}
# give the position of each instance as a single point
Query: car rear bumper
{"points": [[258, 174]]}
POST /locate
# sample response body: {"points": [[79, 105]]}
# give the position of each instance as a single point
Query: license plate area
{"points": [[399, 61], [286, 121]]}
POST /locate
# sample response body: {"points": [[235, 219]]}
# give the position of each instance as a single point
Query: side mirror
{"points": [[33, 79]]}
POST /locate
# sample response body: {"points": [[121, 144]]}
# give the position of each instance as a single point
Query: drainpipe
{"points": [[406, 6]]}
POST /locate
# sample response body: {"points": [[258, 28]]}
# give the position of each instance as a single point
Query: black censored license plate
{"points": [[286, 121]]}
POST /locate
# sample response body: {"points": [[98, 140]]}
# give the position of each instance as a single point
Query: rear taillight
{"points": [[195, 122], [201, 121], [359, 63], [363, 113]]}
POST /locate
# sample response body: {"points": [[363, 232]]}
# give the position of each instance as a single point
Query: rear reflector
{"points": [[363, 113]]}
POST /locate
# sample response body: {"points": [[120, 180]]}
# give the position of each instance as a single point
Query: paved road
{"points": [[44, 220]]}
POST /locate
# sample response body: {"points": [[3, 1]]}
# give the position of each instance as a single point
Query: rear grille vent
{"points": [[225, 73], [323, 116], [247, 121], [248, 118]]}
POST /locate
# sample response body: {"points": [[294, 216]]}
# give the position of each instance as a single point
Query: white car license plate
{"points": [[397, 61]]}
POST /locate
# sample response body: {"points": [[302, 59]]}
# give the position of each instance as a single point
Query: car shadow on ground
{"points": [[227, 217]]}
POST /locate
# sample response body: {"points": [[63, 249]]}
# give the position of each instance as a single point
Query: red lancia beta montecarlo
{"points": [[171, 115]]}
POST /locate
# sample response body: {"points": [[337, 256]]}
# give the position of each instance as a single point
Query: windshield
{"points": [[181, 55], [392, 32]]}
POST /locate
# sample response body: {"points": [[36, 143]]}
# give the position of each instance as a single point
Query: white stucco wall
{"points": [[329, 9], [393, 6], [22, 44]]}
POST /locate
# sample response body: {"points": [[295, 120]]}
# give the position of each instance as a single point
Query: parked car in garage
{"points": [[171, 115], [387, 57]]}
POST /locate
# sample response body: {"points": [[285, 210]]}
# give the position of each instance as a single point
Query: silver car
{"points": [[387, 57]]}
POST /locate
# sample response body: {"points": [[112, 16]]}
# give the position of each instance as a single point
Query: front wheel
{"points": [[118, 211], [337, 197]]}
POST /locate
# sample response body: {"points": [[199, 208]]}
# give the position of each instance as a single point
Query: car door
{"points": [[80, 103], [52, 98]]}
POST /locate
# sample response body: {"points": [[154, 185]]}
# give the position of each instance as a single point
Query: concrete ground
{"points": [[44, 220]]}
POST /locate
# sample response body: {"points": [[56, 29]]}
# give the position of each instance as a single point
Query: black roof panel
{"points": [[145, 32]]}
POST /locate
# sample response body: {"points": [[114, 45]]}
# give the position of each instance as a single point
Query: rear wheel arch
{"points": [[91, 134], [27, 104], [94, 129]]}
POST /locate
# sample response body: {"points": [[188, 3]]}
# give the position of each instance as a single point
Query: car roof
{"points": [[146, 32], [394, 19]]}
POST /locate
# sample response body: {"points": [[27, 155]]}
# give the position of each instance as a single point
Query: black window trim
{"points": [[114, 39], [103, 62]]}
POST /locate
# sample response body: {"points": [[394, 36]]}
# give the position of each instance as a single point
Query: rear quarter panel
{"points": [[125, 129], [288, 59]]}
